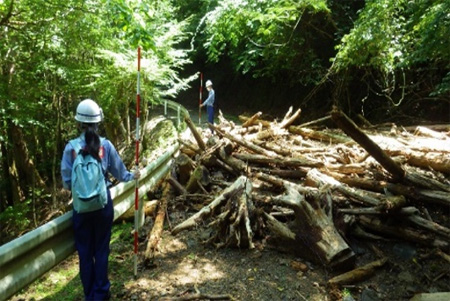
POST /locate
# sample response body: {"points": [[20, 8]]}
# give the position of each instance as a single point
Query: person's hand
{"points": [[136, 174]]}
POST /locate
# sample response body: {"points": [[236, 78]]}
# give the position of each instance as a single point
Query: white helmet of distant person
{"points": [[208, 83], [88, 111]]}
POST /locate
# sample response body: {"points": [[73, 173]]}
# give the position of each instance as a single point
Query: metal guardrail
{"points": [[28, 257]]}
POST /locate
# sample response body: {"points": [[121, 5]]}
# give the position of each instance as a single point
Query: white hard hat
{"points": [[88, 111], [208, 83]]}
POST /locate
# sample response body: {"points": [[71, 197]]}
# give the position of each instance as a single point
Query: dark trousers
{"points": [[210, 111], [92, 231]]}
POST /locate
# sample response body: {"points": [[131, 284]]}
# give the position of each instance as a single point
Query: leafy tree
{"points": [[401, 49], [55, 53], [428, 29], [288, 39]]}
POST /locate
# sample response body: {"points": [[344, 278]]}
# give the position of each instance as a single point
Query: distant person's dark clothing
{"points": [[209, 102]]}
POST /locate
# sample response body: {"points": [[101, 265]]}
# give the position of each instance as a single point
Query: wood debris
{"points": [[308, 190]]}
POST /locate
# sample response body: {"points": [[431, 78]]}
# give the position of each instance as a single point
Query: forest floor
{"points": [[185, 268]]}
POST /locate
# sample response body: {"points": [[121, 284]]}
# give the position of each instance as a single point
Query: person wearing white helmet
{"points": [[92, 230], [209, 102]]}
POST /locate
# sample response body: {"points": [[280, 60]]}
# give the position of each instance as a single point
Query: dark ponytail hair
{"points": [[92, 141]]}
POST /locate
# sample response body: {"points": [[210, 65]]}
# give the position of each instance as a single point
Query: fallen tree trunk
{"points": [[425, 181], [424, 131], [199, 178], [319, 135], [425, 159], [195, 133], [185, 165], [149, 209], [155, 235], [264, 123], [282, 162], [177, 185], [351, 129], [252, 120], [209, 209], [430, 225], [233, 227], [246, 144], [315, 226], [401, 232], [188, 148], [412, 193], [357, 274], [406, 211], [317, 179], [289, 119]]}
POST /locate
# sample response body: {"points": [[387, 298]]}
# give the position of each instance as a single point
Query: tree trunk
{"points": [[24, 166], [351, 129], [185, 167], [155, 235], [8, 195], [246, 144], [412, 193], [252, 120], [319, 135], [357, 274], [177, 186], [194, 131], [56, 150], [315, 226], [289, 119], [149, 208], [281, 162], [402, 232], [206, 211], [199, 178]]}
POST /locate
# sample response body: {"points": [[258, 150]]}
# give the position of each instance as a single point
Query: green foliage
{"points": [[89, 50], [55, 53], [269, 38], [443, 88], [375, 41], [428, 25], [16, 217], [392, 36]]}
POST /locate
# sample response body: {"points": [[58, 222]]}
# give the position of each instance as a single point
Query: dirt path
{"points": [[184, 267]]}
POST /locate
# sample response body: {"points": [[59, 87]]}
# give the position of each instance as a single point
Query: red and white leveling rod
{"points": [[200, 100], [136, 197]]}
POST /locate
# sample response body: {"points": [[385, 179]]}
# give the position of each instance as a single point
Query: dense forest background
{"points": [[385, 60]]}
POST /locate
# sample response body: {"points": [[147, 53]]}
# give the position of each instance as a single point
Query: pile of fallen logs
{"points": [[309, 190]]}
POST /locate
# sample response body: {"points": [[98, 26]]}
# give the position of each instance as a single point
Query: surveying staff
{"points": [[209, 102], [92, 230]]}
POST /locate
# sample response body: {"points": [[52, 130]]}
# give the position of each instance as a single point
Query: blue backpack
{"points": [[88, 181]]}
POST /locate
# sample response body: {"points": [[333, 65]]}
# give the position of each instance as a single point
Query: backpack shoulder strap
{"points": [[76, 145]]}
